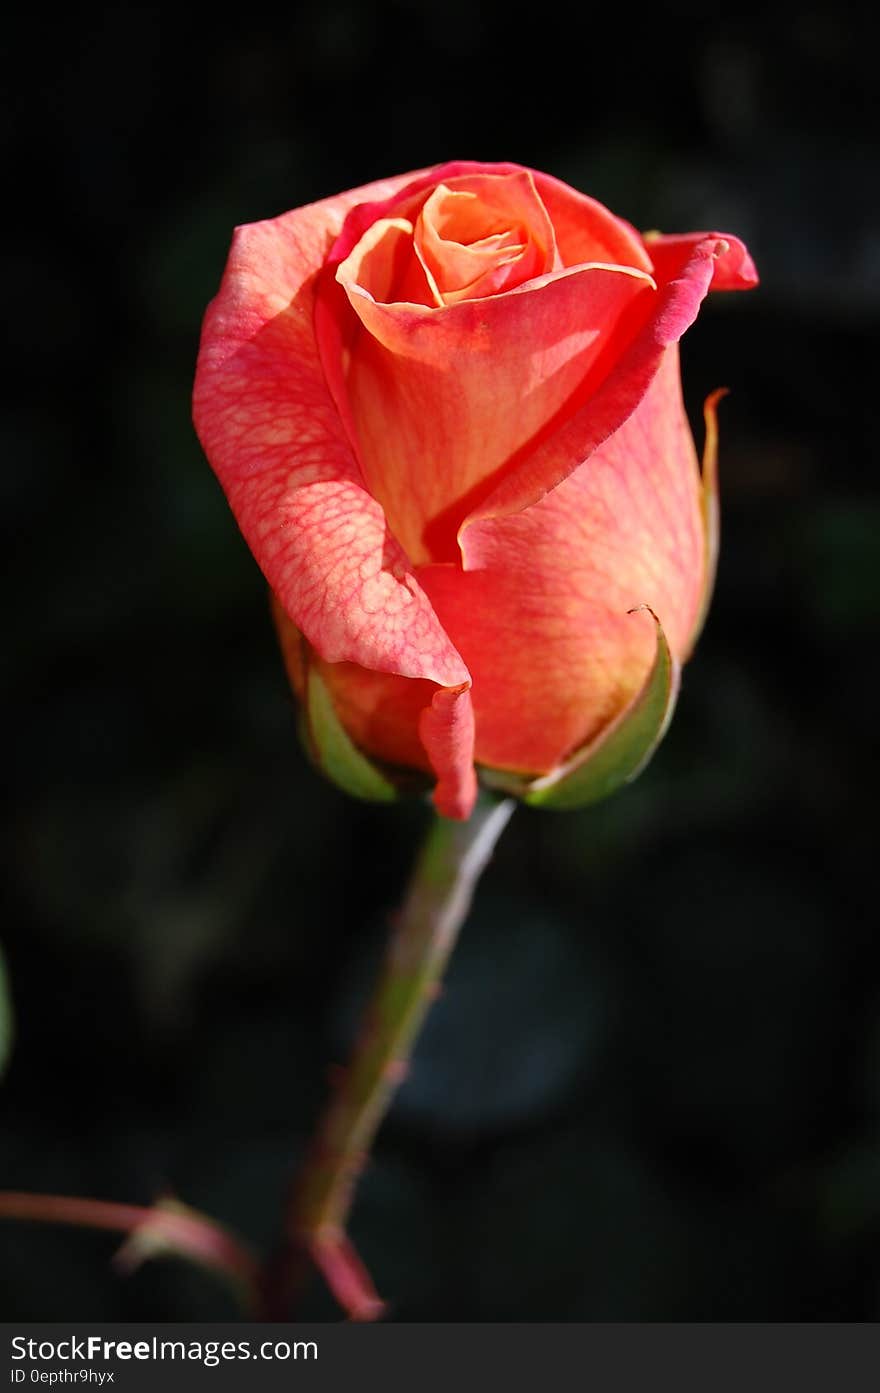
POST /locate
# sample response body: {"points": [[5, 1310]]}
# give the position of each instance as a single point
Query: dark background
{"points": [[652, 1089]]}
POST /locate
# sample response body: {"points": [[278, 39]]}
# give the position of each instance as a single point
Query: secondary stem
{"points": [[164, 1226], [424, 933]]}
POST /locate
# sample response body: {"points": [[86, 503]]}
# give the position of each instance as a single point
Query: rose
{"points": [[447, 414]]}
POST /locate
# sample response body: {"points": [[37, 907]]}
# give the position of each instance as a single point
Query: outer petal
{"points": [[542, 620], [270, 428], [447, 731], [734, 268], [611, 391], [272, 433], [587, 230], [617, 755]]}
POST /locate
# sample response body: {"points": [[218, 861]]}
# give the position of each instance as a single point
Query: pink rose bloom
{"points": [[446, 411]]}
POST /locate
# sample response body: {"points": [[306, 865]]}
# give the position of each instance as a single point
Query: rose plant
{"points": [[446, 411]]}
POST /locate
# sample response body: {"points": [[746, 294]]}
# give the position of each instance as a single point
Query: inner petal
{"points": [[480, 234], [452, 257], [384, 265], [442, 399]]}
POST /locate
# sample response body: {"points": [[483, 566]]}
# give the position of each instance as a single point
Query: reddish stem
{"points": [[166, 1223]]}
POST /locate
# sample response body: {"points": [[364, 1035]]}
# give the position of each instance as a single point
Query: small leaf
{"points": [[7, 1020], [617, 755], [333, 750]]}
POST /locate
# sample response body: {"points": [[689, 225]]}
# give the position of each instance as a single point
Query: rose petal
{"points": [[410, 723], [381, 711], [447, 731], [542, 620], [400, 720], [734, 269], [610, 392], [478, 235], [406, 199], [386, 266], [270, 429], [442, 399], [586, 230]]}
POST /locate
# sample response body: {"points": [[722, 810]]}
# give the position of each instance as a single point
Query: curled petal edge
{"points": [[734, 267], [446, 728], [619, 754], [543, 467]]}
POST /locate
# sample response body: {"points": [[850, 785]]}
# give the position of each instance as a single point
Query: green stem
{"points": [[424, 933]]}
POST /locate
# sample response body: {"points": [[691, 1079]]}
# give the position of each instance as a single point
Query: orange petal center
{"points": [[471, 237]]}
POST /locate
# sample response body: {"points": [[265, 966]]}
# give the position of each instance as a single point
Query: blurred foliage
{"points": [[652, 1087]]}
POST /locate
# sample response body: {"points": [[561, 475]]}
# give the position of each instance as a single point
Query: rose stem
{"points": [[424, 931], [190, 1234]]}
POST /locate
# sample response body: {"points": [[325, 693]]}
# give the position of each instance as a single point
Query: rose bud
{"points": [[446, 411]]}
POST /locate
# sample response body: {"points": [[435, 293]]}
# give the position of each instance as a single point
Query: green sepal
{"points": [[618, 754], [334, 751], [710, 510]]}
